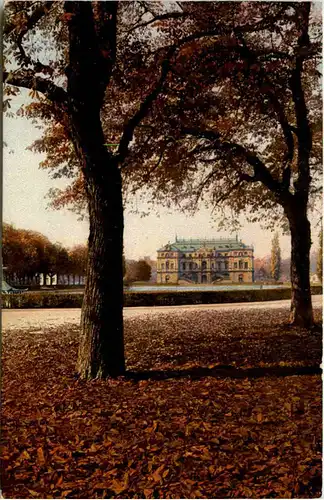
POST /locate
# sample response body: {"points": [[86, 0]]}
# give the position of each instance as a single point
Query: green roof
{"points": [[193, 245]]}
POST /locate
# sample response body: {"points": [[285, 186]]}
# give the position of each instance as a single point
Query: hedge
{"points": [[156, 298]]}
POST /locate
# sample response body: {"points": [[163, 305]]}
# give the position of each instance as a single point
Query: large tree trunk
{"points": [[301, 303], [101, 351], [92, 51]]}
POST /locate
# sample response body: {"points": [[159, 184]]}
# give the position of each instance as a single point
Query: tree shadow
{"points": [[224, 371]]}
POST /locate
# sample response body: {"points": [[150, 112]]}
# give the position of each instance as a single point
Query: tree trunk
{"points": [[301, 302], [101, 351], [92, 53]]}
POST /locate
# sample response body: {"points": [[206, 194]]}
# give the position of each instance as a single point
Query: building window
{"points": [[212, 265], [246, 265], [235, 265], [190, 266], [203, 265], [226, 264], [183, 266], [167, 265], [240, 277], [162, 267], [172, 265], [167, 255], [240, 265]]}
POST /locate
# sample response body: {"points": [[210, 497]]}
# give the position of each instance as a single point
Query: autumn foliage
{"points": [[27, 254], [208, 410]]}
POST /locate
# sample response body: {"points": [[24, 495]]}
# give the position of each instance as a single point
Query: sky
{"points": [[25, 187]]}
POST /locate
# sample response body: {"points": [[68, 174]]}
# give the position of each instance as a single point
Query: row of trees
{"points": [[27, 254], [184, 99]]}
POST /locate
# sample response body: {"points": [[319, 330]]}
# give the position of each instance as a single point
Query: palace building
{"points": [[205, 261]]}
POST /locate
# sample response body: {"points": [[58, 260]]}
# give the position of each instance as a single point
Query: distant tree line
{"points": [[27, 255]]}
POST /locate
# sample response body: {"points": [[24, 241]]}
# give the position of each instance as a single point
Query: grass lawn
{"points": [[217, 404]]}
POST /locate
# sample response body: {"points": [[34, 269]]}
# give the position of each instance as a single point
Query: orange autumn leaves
{"points": [[197, 437]]}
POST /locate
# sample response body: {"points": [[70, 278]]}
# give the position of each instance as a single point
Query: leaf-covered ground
{"points": [[213, 408]]}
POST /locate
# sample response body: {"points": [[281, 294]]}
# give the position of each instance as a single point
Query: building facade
{"points": [[205, 261]]}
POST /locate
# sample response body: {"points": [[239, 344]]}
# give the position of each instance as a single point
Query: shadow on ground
{"points": [[225, 371]]}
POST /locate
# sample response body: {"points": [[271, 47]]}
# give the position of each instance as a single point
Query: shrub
{"points": [[156, 298], [41, 300]]}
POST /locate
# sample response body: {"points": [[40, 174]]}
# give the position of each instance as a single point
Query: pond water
{"points": [[199, 288]]}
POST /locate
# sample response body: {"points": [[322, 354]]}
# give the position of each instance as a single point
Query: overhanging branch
{"points": [[267, 89], [31, 21], [261, 173], [161, 17], [129, 129], [26, 79]]}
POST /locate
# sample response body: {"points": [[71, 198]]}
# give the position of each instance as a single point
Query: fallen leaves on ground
{"points": [[184, 437]]}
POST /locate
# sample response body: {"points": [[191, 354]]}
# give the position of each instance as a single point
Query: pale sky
{"points": [[24, 204]]}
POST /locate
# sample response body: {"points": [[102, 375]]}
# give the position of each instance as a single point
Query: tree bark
{"points": [[101, 351], [92, 53], [301, 302]]}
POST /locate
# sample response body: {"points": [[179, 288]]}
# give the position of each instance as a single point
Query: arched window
{"points": [[183, 266], [190, 266], [204, 265], [167, 265]]}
